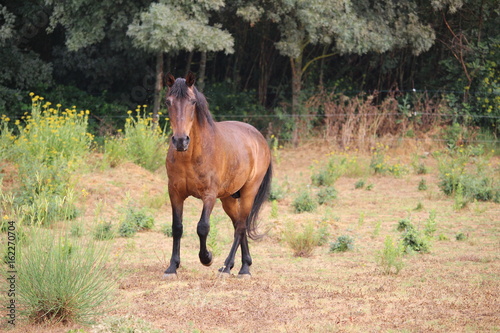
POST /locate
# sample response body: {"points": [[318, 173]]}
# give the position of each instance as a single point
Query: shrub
{"points": [[51, 144], [414, 240], [379, 162], [404, 224], [142, 142], [342, 244], [103, 231], [390, 258], [302, 242], [277, 192], [304, 203], [359, 184], [337, 166], [461, 237], [135, 220], [326, 195], [466, 175], [127, 228], [422, 185], [59, 281]]}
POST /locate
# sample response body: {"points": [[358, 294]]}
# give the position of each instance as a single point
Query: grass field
{"points": [[454, 287]]}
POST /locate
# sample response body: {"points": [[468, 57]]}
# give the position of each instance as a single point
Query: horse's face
{"points": [[181, 103]]}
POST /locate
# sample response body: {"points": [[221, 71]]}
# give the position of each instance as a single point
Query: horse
{"points": [[209, 160]]}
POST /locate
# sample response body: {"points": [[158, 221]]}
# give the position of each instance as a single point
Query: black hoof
{"points": [[170, 276], [206, 260], [245, 276]]}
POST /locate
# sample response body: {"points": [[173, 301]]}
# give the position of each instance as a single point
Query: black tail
{"points": [[260, 198]]}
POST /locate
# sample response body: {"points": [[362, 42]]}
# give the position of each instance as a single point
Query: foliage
{"points": [[142, 142], [103, 231], [50, 145], [302, 241], [304, 202], [166, 229], [135, 220], [326, 195], [187, 29], [422, 185], [359, 184], [342, 244], [379, 162], [277, 191], [412, 238], [465, 174], [390, 258], [339, 164], [62, 280]]}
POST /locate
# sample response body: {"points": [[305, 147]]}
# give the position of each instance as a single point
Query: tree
{"points": [[355, 26], [176, 25]]}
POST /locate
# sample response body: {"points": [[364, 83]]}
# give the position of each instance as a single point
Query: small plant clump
{"points": [[359, 184], [304, 202], [135, 220], [414, 240], [342, 244], [103, 231], [326, 195], [422, 185], [62, 281], [390, 258], [302, 242]]}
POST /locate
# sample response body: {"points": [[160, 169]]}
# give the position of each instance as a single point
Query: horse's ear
{"points": [[190, 79], [169, 79]]}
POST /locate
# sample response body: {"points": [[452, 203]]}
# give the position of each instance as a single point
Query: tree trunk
{"points": [[158, 88], [202, 70], [189, 61], [296, 64]]}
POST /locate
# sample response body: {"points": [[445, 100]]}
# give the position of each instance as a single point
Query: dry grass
{"points": [[455, 288]]}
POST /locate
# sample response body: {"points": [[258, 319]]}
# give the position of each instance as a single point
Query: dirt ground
{"points": [[454, 288]]}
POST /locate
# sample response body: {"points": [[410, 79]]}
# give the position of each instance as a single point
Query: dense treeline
{"points": [[250, 56]]}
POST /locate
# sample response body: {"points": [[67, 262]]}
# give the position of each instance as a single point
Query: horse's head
{"points": [[181, 102]]}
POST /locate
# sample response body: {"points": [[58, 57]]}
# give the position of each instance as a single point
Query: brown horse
{"points": [[229, 160]]}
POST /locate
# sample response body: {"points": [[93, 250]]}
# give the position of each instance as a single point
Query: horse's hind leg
{"points": [[238, 210]]}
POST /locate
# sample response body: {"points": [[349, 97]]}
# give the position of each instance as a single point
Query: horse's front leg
{"points": [[203, 229], [177, 209]]}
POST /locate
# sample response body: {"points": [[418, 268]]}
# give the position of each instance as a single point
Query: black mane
{"points": [[180, 90]]}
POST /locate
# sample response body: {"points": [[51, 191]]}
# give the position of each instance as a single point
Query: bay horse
{"points": [[229, 160]]}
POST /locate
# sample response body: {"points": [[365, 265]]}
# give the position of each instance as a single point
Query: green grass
{"points": [[62, 279]]}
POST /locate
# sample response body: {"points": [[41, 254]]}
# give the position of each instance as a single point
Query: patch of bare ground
{"points": [[454, 288]]}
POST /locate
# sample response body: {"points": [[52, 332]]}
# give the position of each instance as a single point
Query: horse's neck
{"points": [[202, 138]]}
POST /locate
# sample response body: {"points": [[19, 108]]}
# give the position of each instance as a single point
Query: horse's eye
{"points": [[193, 101], [168, 102]]}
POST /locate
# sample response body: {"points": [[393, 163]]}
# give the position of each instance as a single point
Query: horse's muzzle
{"points": [[181, 143]]}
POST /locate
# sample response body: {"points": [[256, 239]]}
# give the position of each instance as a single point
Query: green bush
{"points": [[326, 195], [304, 203], [277, 192], [342, 244], [359, 184], [50, 144], [390, 258], [141, 142], [60, 281], [103, 231], [422, 185], [135, 220], [414, 240]]}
